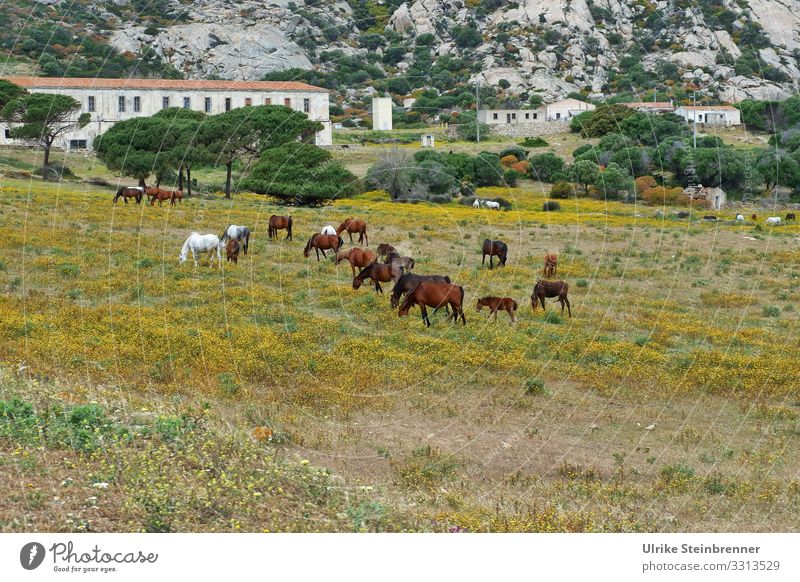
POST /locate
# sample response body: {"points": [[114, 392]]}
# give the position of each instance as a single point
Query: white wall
{"points": [[106, 110], [487, 116], [382, 113], [727, 117]]}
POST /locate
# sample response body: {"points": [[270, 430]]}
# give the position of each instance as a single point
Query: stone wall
{"points": [[520, 130]]}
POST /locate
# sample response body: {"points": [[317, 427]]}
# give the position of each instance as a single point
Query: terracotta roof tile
{"points": [[709, 107], [164, 84]]}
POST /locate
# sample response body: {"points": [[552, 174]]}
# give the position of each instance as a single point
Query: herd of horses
{"points": [[386, 265]]}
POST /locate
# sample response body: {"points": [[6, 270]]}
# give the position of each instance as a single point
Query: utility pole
{"points": [[477, 108], [694, 118]]}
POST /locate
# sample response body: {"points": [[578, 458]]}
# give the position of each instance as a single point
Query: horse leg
{"points": [[378, 286], [491, 263], [317, 249], [541, 299], [483, 259], [569, 309], [425, 319], [366, 238]]}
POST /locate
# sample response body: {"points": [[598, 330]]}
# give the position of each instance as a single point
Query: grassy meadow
{"points": [[137, 394]]}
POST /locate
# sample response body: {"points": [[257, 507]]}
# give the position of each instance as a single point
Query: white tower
{"points": [[382, 113]]}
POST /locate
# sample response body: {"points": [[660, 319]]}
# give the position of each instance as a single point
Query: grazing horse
{"points": [[201, 243], [492, 205], [791, 216], [682, 214], [385, 251], [379, 273], [476, 204], [435, 295], [740, 218], [773, 220], [550, 265], [237, 233], [407, 282], [709, 217], [549, 289], [160, 194], [177, 195], [494, 248], [328, 229], [323, 242], [277, 223], [405, 263], [232, 251], [357, 258], [126, 192], [496, 303], [352, 225], [754, 216]]}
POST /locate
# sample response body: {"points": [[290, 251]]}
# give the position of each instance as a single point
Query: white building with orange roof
{"points": [[111, 100], [720, 115]]}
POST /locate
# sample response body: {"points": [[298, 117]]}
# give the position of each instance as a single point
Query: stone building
{"points": [[111, 100], [724, 115]]}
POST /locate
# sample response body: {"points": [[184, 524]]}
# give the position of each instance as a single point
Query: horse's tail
{"points": [[461, 289]]}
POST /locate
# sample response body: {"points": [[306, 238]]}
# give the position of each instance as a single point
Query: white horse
{"points": [[476, 204], [328, 229], [740, 218], [491, 204], [773, 220], [201, 243], [237, 233]]}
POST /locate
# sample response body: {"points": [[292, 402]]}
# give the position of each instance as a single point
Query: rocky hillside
{"points": [[730, 49]]}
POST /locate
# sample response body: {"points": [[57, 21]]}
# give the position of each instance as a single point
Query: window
{"points": [[8, 134], [137, 104], [121, 104], [513, 116], [90, 104], [77, 144], [535, 115], [187, 102], [527, 116], [207, 106], [287, 102], [494, 116], [306, 105], [165, 102], [267, 100], [248, 102], [227, 103]]}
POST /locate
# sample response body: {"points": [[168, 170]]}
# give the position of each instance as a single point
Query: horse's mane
{"points": [[408, 301]]}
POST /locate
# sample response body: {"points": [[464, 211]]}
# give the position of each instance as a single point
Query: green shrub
{"points": [[536, 387], [772, 311], [534, 142], [551, 206], [562, 190]]}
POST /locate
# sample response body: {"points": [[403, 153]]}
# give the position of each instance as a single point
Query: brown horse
{"points": [[277, 223], [385, 251], [494, 248], [791, 216], [357, 258], [408, 281], [550, 289], [126, 192], [379, 273], [159, 194], [550, 265], [177, 195], [435, 295], [754, 217], [496, 303], [323, 242], [352, 225], [232, 251]]}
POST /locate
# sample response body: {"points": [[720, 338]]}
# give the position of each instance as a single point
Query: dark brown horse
{"points": [[550, 289], [126, 192], [232, 251], [435, 295], [379, 273], [385, 251], [791, 216], [277, 223], [357, 258], [496, 303], [550, 265], [323, 242], [352, 225], [494, 248]]}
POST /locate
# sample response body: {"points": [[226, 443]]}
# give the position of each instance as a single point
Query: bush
{"points": [[545, 166], [562, 190], [536, 387], [515, 151], [772, 311], [508, 160], [551, 206], [510, 177], [534, 142], [643, 183]]}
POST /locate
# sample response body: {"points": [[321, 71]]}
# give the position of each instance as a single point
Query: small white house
{"points": [[566, 109], [427, 140], [382, 113], [721, 115], [510, 116]]}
